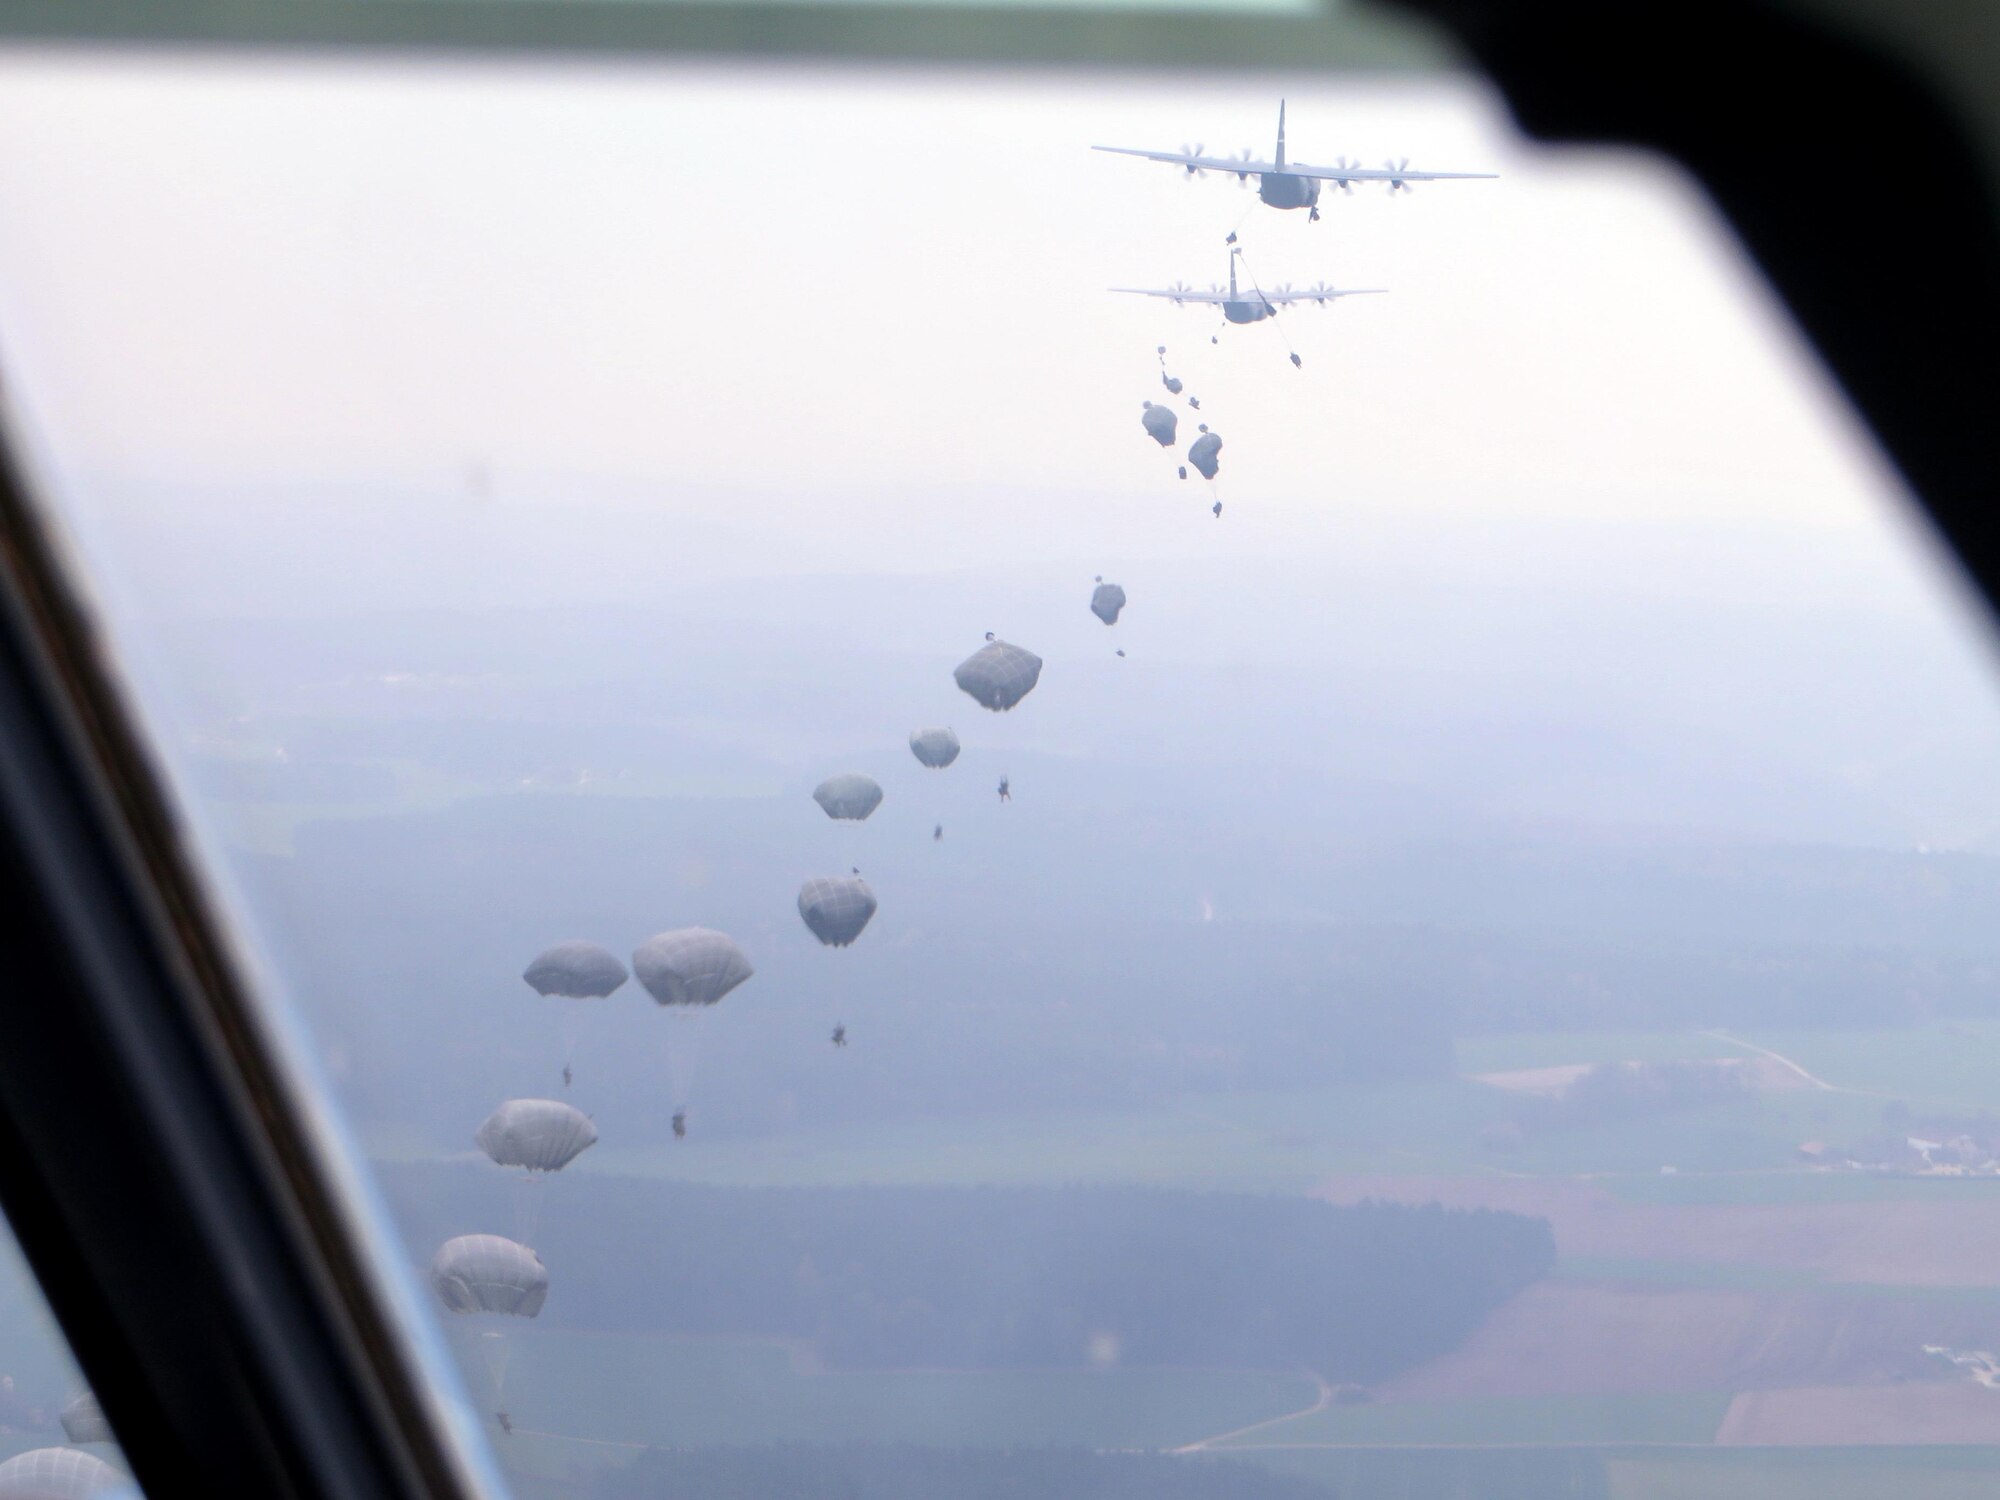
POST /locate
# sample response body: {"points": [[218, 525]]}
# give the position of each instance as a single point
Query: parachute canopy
{"points": [[543, 1135], [577, 971], [836, 908], [850, 796], [998, 675], [1160, 423], [83, 1421], [58, 1474], [936, 748], [1105, 602], [486, 1273], [690, 966], [1202, 454]]}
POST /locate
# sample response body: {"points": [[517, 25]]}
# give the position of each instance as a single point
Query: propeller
{"points": [[1396, 184], [1216, 287], [1178, 291], [1194, 150], [1246, 154], [1320, 292], [1342, 164]]}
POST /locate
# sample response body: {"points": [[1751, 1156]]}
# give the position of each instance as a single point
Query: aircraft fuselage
{"points": [[1283, 190], [1248, 310]]}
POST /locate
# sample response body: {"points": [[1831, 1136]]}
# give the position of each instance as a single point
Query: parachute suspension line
{"points": [[683, 1044], [529, 1188], [1276, 322], [1237, 228], [493, 1353], [569, 1009]]}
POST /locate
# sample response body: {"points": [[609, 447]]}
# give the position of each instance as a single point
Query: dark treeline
{"points": [[1611, 1092], [884, 1471], [989, 1277], [991, 984]]}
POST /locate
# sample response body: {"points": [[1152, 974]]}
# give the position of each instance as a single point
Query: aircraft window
{"points": [[942, 824], [54, 1439]]}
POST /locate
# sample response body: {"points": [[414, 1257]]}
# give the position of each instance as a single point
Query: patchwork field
{"points": [[1497, 1421], [1803, 1474], [1949, 1239], [1711, 1330], [1936, 1411], [1568, 1337], [662, 1391]]}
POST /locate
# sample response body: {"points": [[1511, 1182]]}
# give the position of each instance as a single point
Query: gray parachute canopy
{"points": [[851, 796], [1105, 602], [690, 966], [487, 1273], [543, 1135], [576, 970], [1202, 454], [83, 1421], [58, 1474], [1160, 423], [998, 675], [836, 908], [936, 748]]}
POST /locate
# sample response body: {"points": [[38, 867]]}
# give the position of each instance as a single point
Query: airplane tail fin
{"points": [[1281, 132]]}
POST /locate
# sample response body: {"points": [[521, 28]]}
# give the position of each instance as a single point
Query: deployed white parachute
{"points": [[59, 1474], [542, 1135], [690, 966], [1160, 423], [83, 1421], [1205, 453], [852, 796], [687, 971], [936, 748], [576, 970], [1106, 600], [836, 908], [998, 675], [488, 1273]]}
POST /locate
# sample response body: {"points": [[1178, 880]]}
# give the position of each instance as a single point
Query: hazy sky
{"points": [[875, 302], [362, 337]]}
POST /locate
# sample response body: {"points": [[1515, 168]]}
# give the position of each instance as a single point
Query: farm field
{"points": [[1795, 1188], [1736, 1150], [1947, 1066], [598, 1388], [1934, 1412], [1259, 1141], [1638, 1473], [1511, 1051], [1954, 1473], [1502, 1473], [1945, 1240], [1561, 1338], [1276, 1142], [1500, 1420]]}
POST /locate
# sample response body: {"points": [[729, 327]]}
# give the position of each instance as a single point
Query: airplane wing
{"points": [[1245, 165], [1179, 294], [1197, 163], [1375, 174], [1324, 294]]}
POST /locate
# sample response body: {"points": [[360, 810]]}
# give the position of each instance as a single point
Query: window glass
{"points": [[54, 1439], [1469, 973]]}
